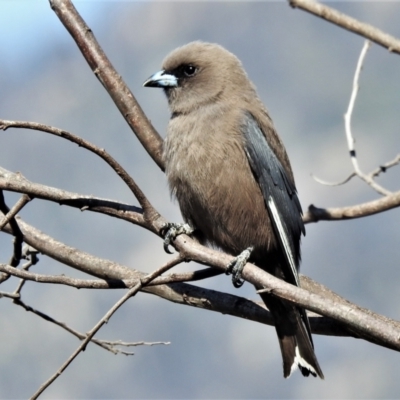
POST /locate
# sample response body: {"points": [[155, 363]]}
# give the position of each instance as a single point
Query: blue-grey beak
{"points": [[161, 79]]}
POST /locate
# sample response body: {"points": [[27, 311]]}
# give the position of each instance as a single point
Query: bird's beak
{"points": [[161, 79]]}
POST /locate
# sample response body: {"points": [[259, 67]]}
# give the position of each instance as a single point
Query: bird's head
{"points": [[198, 74]]}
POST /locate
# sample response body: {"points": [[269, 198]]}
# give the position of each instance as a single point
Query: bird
{"points": [[230, 173]]}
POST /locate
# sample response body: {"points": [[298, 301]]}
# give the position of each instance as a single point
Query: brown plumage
{"points": [[230, 173]]}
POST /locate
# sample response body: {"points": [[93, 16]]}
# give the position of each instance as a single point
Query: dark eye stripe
{"points": [[184, 71]]}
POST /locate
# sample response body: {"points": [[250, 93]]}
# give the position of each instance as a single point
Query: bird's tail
{"points": [[292, 328]]}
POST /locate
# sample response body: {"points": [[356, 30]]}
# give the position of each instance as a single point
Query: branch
{"points": [[9, 218], [31, 255], [315, 214], [106, 283], [15, 182], [351, 24], [347, 122], [114, 343], [355, 318], [9, 295], [107, 345], [16, 232], [369, 179], [385, 167], [110, 79], [349, 112], [121, 172], [132, 292], [333, 306], [21, 203], [391, 200], [339, 183], [191, 295]]}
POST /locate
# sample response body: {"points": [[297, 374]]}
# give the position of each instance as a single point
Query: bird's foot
{"points": [[171, 231], [236, 266]]}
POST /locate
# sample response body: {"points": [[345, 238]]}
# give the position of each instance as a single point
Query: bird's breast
{"points": [[210, 176]]}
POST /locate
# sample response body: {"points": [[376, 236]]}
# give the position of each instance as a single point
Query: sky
{"points": [[303, 69]]}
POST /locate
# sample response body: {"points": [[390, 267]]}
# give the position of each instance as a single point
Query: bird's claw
{"points": [[236, 266], [171, 230]]}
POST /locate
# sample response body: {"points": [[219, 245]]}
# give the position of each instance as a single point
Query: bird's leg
{"points": [[171, 231], [236, 266]]}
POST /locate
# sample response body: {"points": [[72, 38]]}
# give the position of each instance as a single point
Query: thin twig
{"points": [[385, 167], [105, 344], [132, 344], [16, 231], [121, 172], [132, 292], [65, 280], [21, 283], [25, 199], [349, 112], [9, 216], [373, 174], [104, 284], [326, 183], [31, 254], [9, 295], [349, 135], [347, 123], [47, 318], [16, 182]]}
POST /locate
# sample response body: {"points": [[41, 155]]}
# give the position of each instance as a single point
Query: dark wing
{"points": [[279, 194]]}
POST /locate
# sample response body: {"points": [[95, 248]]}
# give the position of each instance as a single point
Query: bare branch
{"points": [[107, 283], [74, 332], [9, 295], [30, 254], [349, 112], [349, 136], [322, 182], [16, 232], [351, 24], [186, 294], [65, 280], [25, 199], [315, 214], [15, 182], [179, 293], [385, 167], [363, 322], [186, 276], [137, 192], [106, 344], [132, 344], [373, 174], [132, 292], [9, 217], [110, 79], [347, 122]]}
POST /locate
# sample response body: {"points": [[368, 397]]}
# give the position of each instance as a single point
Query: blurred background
{"points": [[303, 68]]}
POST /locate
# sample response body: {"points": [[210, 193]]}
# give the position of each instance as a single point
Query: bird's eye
{"points": [[189, 70]]}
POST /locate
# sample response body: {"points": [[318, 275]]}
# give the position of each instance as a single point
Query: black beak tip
{"points": [[150, 83]]}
